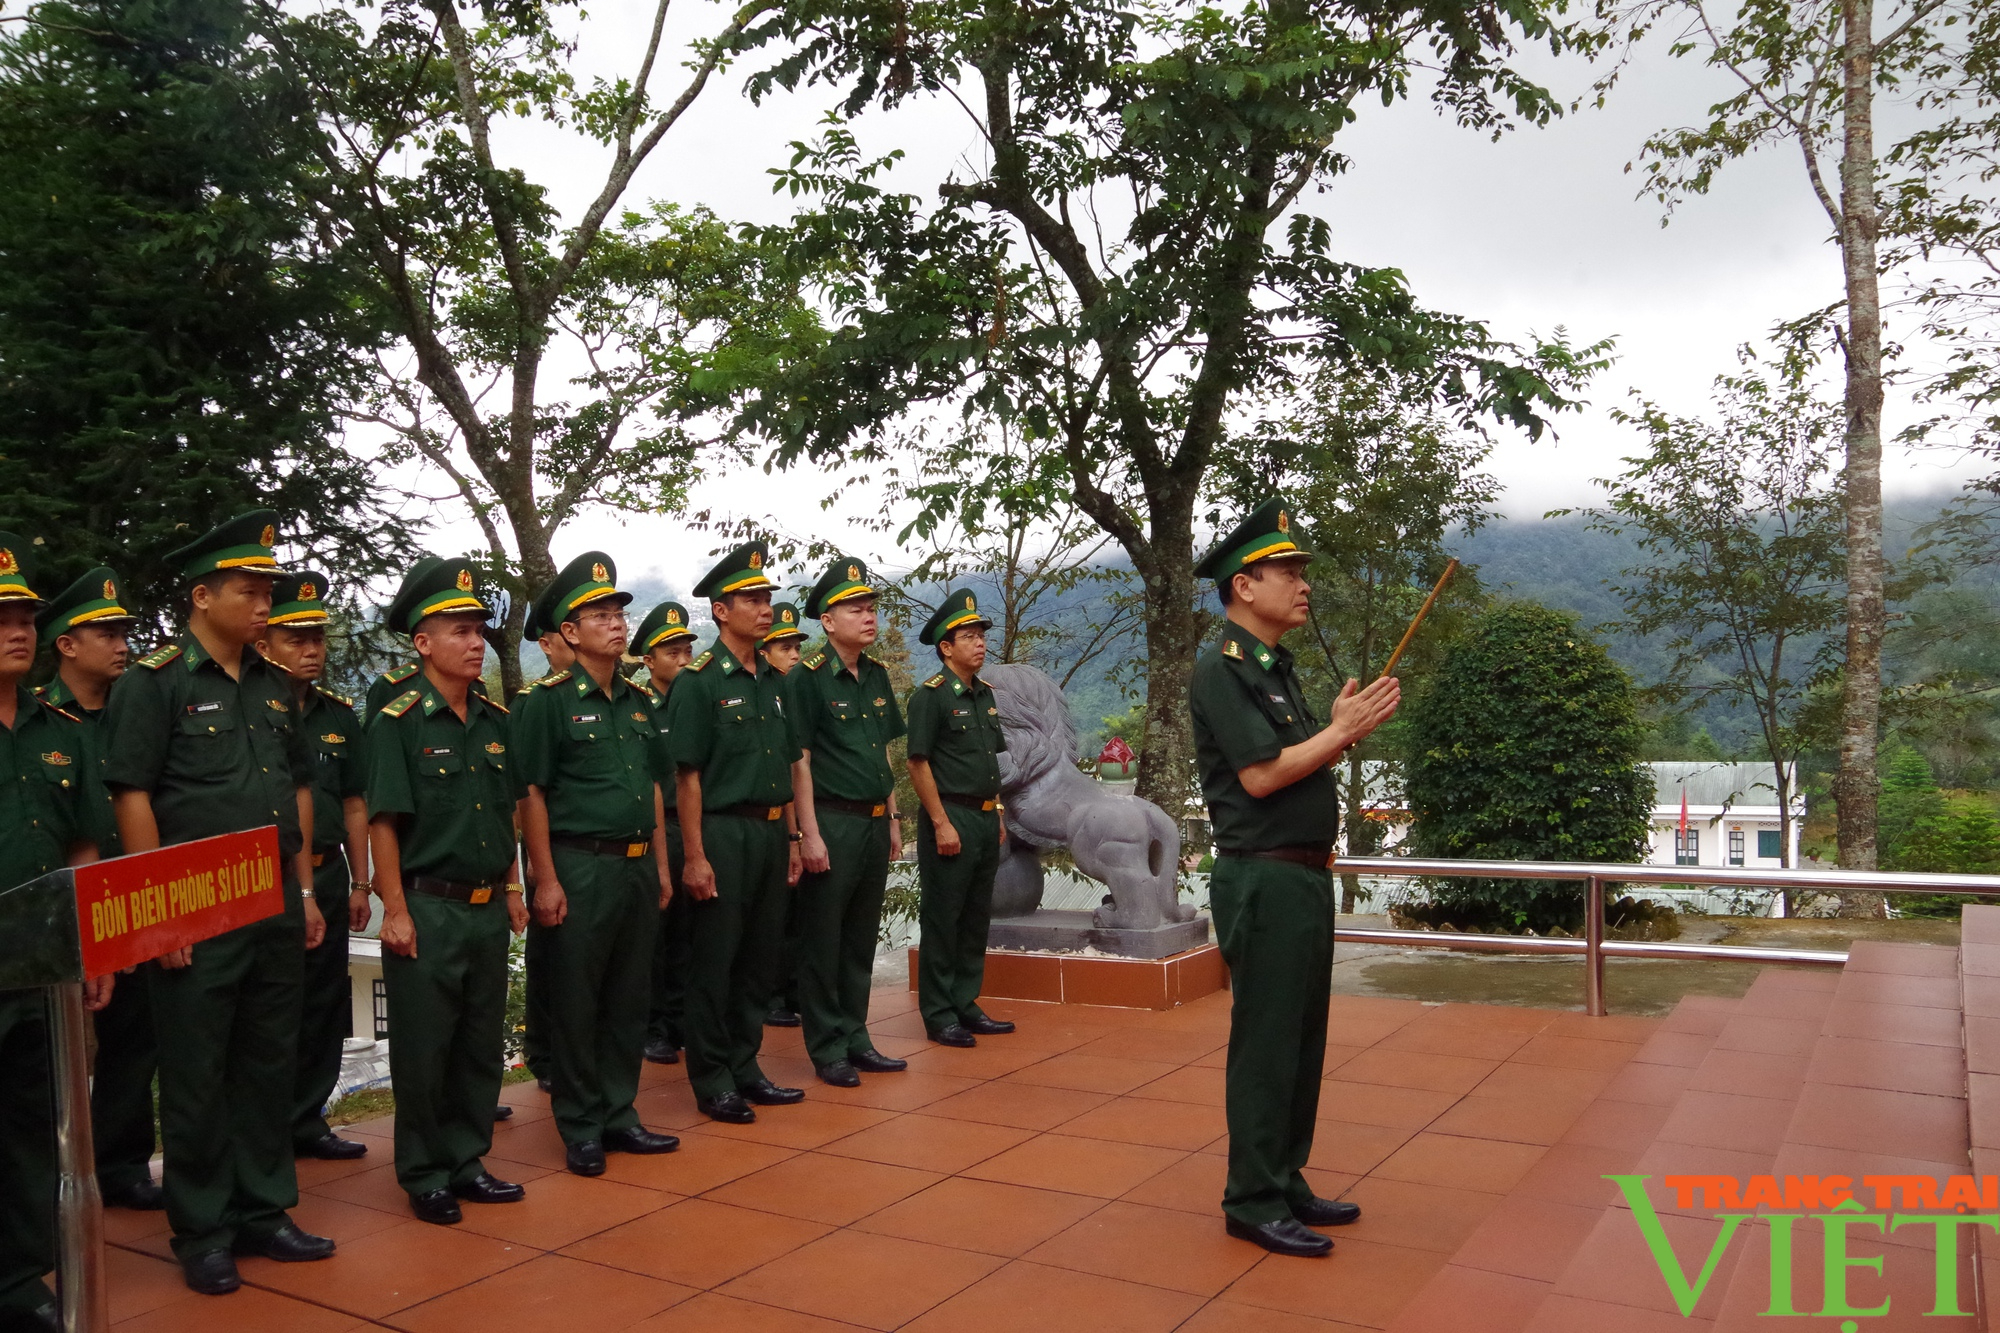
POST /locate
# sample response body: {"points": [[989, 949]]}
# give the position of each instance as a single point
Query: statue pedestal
{"points": [[1057, 930], [1120, 983]]}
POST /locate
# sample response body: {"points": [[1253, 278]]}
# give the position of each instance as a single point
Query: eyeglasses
{"points": [[601, 618]]}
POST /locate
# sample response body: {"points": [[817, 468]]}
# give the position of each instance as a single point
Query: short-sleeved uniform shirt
{"points": [[51, 797], [398, 680], [57, 693], [957, 728], [594, 753], [663, 751], [451, 782], [216, 755], [731, 726], [846, 720], [340, 766], [1248, 706]]}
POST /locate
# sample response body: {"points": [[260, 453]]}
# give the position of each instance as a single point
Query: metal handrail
{"points": [[1596, 874]]}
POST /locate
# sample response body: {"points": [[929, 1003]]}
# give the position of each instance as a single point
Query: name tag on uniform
{"points": [[961, 712], [1279, 699], [586, 717], [438, 751], [730, 703], [204, 708], [838, 703]]}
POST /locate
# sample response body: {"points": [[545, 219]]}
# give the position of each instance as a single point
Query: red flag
{"points": [[1680, 845]]}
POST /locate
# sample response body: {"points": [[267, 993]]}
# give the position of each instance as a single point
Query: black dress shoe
{"points": [[585, 1159], [640, 1140], [484, 1188], [502, 1112], [981, 1025], [437, 1206], [1327, 1213], [951, 1034], [840, 1074], [729, 1108], [663, 1052], [542, 1082], [766, 1093], [288, 1245], [42, 1319], [1283, 1236], [781, 1018], [212, 1273], [141, 1196], [872, 1061], [330, 1147]]}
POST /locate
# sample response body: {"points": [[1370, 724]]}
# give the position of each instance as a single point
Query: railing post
{"points": [[79, 1206], [1593, 946]]}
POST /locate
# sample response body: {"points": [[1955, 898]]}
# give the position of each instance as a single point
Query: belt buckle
{"points": [[319, 859], [774, 812], [634, 849], [879, 809], [987, 805], [482, 894]]}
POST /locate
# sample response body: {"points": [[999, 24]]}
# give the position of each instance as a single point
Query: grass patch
{"points": [[367, 1104]]}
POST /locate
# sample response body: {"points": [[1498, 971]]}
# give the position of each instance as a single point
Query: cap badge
{"points": [[269, 537], [673, 617], [465, 580], [1284, 521], [785, 616], [308, 592], [110, 591], [854, 573], [756, 560], [599, 574], [8, 564], [968, 603]]}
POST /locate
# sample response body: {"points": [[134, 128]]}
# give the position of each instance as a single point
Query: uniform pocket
{"points": [[440, 764]]}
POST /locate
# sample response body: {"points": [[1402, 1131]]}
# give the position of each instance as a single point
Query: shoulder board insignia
{"points": [[340, 699], [934, 681], [550, 682], [816, 661], [494, 704], [41, 692], [644, 688], [1230, 649], [397, 675], [402, 703], [58, 710], [159, 657], [701, 661]]}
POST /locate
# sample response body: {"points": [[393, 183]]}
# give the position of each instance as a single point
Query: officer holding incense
{"points": [[733, 748], [296, 640], [587, 756], [1264, 761], [203, 737], [87, 627], [441, 820], [666, 645], [52, 806], [844, 711], [955, 742]]}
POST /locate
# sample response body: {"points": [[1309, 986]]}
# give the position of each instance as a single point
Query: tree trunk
{"points": [[1166, 763], [1855, 786]]}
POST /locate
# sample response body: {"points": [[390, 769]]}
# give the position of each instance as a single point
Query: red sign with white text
{"points": [[134, 908]]}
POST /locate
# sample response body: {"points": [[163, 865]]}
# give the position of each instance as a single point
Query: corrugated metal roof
{"points": [[1711, 783]]}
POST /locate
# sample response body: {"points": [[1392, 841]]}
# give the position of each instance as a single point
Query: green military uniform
{"points": [[1271, 893], [121, 1085], [844, 721], [402, 677], [785, 628], [221, 755], [673, 948], [594, 753], [50, 801], [339, 772], [956, 726], [728, 723], [536, 1022], [449, 786]]}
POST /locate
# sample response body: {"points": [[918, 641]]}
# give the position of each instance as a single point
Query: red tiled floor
{"points": [[1529, 1238], [699, 1243], [1450, 1160], [1460, 1298], [1160, 1247], [822, 1188], [712, 1313], [390, 1270], [932, 1143], [246, 1311], [551, 1294], [1361, 1283], [1076, 1166], [1184, 1125], [1415, 1069], [561, 1209], [1421, 1217], [1378, 1104], [983, 1215], [1053, 1300], [1018, 1104], [1090, 1073], [876, 1281]]}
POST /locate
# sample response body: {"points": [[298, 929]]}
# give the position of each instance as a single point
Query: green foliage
{"points": [[1524, 747], [176, 337], [1922, 829]]}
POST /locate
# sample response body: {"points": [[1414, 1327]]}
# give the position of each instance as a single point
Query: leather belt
{"points": [[432, 886], [623, 847], [1318, 855], [969, 802], [749, 810], [866, 809]]}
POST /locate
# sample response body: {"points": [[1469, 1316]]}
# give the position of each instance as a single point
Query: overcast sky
{"points": [[1538, 231]]}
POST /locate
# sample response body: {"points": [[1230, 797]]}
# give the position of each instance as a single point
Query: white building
{"points": [[1732, 815]]}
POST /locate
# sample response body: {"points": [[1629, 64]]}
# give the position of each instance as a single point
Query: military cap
{"points": [[959, 607], [435, 587], [534, 626], [784, 623], [299, 599], [663, 624], [91, 600], [243, 543], [591, 577], [844, 578], [15, 554], [1265, 534], [742, 570]]}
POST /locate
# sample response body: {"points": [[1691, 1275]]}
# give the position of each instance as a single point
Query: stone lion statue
{"points": [[1127, 843]]}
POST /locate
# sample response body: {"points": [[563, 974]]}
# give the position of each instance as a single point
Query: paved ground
{"points": [[1065, 1178]]}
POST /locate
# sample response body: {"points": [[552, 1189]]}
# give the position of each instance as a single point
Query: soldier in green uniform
{"points": [[402, 677], [844, 712], [295, 639], [666, 645], [441, 820], [781, 648], [52, 805], [734, 750], [955, 740], [588, 755], [1264, 765], [536, 1021], [87, 628], [204, 738]]}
